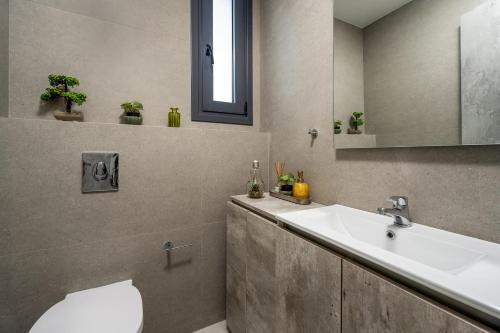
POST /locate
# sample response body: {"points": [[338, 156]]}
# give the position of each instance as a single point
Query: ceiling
{"points": [[362, 13]]}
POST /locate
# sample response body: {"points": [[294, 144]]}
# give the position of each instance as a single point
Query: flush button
{"points": [[100, 171]]}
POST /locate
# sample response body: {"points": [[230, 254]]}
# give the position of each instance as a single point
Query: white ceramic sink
{"points": [[460, 267]]}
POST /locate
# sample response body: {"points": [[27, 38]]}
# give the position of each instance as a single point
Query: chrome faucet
{"points": [[400, 211]]}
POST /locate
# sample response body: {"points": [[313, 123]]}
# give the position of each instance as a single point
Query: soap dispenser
{"points": [[301, 188], [255, 186]]}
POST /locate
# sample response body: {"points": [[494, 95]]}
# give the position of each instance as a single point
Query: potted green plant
{"points": [[355, 122], [59, 88], [285, 183], [337, 127], [132, 113]]}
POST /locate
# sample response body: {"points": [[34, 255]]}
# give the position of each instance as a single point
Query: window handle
{"points": [[210, 53]]}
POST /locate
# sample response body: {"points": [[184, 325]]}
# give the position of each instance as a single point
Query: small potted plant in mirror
{"points": [[59, 89], [356, 121], [132, 113], [336, 126], [285, 183]]}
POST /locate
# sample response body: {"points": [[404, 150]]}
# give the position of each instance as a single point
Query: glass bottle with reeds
{"points": [[278, 171]]}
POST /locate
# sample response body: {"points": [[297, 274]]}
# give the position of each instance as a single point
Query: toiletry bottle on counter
{"points": [[255, 186], [301, 188]]}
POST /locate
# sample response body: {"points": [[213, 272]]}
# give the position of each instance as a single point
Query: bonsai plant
{"points": [[336, 126], [59, 88], [132, 113], [355, 122]]}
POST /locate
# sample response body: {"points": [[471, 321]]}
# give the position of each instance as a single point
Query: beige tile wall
{"points": [[456, 189], [173, 186], [120, 51], [4, 58], [173, 182]]}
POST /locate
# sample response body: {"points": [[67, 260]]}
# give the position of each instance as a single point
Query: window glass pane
{"points": [[223, 51]]}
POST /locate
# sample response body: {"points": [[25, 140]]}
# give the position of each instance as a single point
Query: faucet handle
{"points": [[398, 202]]}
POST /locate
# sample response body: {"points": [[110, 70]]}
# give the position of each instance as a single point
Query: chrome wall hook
{"points": [[314, 132]]}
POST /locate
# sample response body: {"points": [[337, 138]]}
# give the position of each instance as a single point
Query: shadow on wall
{"points": [[467, 155]]}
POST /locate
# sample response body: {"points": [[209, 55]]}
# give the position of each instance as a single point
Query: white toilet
{"points": [[115, 308]]}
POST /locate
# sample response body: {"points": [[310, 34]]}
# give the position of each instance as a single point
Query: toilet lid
{"points": [[116, 308]]}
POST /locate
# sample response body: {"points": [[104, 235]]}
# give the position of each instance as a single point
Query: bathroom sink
{"points": [[372, 229], [462, 268]]}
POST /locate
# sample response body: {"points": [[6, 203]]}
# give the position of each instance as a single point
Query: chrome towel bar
{"points": [[169, 246]]}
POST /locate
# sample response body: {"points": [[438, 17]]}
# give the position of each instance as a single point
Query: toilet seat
{"points": [[116, 308]]}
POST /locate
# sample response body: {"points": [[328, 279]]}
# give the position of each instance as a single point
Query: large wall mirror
{"points": [[416, 73]]}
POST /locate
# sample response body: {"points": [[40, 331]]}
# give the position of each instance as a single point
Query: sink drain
{"points": [[390, 234]]}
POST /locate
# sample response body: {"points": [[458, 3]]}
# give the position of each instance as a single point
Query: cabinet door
{"points": [[261, 275], [373, 304], [309, 286], [236, 222], [236, 268]]}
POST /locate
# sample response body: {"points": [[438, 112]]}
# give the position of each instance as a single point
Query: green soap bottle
{"points": [[174, 118]]}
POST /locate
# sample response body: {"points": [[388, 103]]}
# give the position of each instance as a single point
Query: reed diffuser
{"points": [[278, 170]]}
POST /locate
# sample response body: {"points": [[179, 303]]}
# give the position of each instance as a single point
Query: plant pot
{"points": [[338, 130], [286, 189], [132, 120], [68, 116], [354, 131]]}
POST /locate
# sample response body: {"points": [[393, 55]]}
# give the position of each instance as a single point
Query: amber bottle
{"points": [[300, 187]]}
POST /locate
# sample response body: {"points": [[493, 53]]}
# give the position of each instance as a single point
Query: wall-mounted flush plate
{"points": [[99, 172]]}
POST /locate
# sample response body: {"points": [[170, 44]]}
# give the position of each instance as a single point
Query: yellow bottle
{"points": [[301, 188]]}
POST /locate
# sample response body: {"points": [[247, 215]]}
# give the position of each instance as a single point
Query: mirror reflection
{"points": [[416, 73]]}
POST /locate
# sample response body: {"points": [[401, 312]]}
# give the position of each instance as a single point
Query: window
{"points": [[222, 61]]}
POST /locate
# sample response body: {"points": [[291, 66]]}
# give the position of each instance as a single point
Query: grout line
{"points": [[100, 241]]}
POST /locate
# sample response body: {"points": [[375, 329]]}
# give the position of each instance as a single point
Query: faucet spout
{"points": [[400, 211]]}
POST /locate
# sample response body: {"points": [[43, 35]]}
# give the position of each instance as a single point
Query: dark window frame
{"points": [[203, 107]]}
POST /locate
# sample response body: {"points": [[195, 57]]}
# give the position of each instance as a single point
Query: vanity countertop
{"points": [[270, 206]]}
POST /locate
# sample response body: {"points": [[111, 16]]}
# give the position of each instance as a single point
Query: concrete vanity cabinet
{"points": [[236, 268], [280, 282], [277, 281], [371, 303]]}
